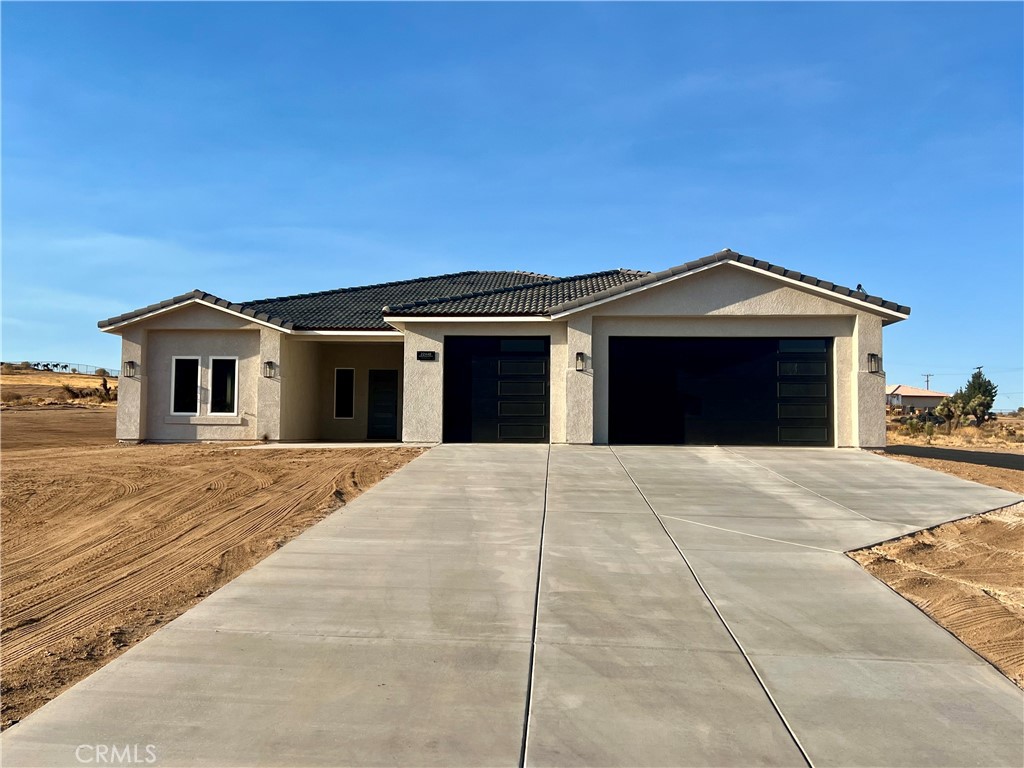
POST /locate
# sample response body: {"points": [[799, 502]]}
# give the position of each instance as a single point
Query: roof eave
{"points": [[114, 324], [890, 311], [468, 317]]}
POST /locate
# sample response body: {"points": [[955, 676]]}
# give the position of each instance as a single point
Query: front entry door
{"points": [[382, 406]]}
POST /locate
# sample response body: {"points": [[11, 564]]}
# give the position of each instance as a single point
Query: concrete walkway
{"points": [[693, 607]]}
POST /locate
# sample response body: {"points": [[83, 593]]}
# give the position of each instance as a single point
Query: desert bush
{"points": [[7, 368], [10, 397], [25, 365], [929, 430], [74, 370], [914, 427], [70, 391], [102, 372]]}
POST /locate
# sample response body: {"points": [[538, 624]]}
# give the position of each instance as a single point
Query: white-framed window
{"points": [[184, 386], [224, 386], [344, 393]]}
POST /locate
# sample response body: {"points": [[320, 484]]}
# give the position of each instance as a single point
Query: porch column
{"points": [[579, 385], [268, 390]]}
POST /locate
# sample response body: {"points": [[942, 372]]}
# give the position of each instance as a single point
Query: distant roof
{"points": [[909, 391], [472, 293]]}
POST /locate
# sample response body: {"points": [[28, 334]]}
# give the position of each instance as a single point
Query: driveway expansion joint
{"points": [[746, 657], [753, 535], [536, 615]]}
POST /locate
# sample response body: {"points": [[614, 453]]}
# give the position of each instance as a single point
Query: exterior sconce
{"points": [[874, 363], [129, 369], [581, 361], [269, 369]]}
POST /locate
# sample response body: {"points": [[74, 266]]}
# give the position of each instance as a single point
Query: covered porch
{"points": [[340, 390]]}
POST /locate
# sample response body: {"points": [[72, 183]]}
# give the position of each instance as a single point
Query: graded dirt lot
{"points": [[104, 543], [46, 386], [968, 575]]}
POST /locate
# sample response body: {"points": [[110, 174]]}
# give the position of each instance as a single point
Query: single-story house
{"points": [[723, 350], [906, 396]]}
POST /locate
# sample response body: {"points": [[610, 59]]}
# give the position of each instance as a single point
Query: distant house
{"points": [[725, 350], [905, 396]]}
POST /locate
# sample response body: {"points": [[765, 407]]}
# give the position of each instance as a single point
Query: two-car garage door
{"points": [[720, 391]]}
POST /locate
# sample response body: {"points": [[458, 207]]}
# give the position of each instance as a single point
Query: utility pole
{"points": [[927, 379]]}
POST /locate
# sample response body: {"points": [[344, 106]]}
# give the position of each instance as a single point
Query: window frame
{"points": [[209, 405], [353, 408], [199, 384]]}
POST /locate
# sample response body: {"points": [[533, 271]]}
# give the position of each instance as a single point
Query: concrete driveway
{"points": [[507, 605]]}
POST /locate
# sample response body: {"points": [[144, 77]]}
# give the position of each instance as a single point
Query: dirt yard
{"points": [[968, 575], [102, 543]]}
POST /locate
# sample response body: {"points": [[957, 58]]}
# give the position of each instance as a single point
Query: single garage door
{"points": [[496, 390], [713, 391]]}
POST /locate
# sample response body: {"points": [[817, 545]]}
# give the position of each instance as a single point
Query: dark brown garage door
{"points": [[496, 389], [709, 391]]}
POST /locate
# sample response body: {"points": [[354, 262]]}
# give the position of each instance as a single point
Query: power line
{"points": [[927, 380]]}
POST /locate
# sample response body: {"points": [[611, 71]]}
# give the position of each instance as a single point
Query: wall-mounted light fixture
{"points": [[269, 369], [129, 368], [874, 363], [581, 361]]}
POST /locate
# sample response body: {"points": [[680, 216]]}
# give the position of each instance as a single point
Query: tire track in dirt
{"points": [[102, 544], [124, 569], [968, 575]]}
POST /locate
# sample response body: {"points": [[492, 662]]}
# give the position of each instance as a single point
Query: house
{"points": [[905, 396], [722, 350]]}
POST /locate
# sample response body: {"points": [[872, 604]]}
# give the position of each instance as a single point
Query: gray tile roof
{"points": [[361, 308], [472, 293], [535, 299]]}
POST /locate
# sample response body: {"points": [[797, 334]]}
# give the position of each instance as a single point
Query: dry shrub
{"points": [[11, 397]]}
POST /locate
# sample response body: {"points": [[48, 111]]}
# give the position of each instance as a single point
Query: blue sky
{"points": [[256, 150]]}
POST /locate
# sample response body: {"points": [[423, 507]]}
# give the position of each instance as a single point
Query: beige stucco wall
{"points": [[362, 357], [161, 345], [731, 301], [869, 388], [299, 380], [424, 381], [131, 392], [143, 408], [579, 385]]}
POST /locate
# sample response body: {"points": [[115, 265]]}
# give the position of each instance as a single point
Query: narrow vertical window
{"points": [[223, 384], [185, 386], [344, 393]]}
